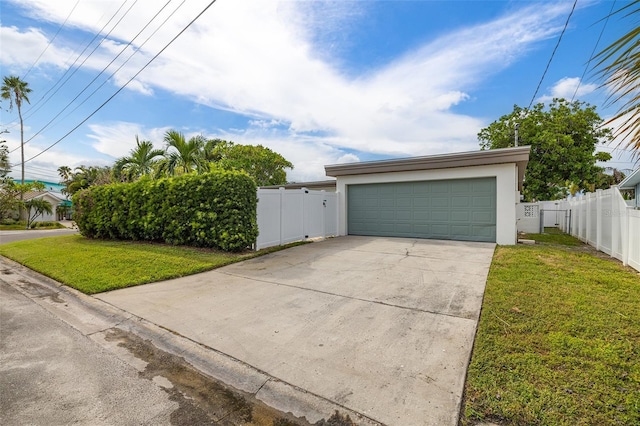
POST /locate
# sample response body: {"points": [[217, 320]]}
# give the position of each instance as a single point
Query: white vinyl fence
{"points": [[285, 216], [603, 220]]}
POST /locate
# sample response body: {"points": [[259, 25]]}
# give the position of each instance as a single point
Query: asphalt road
{"points": [[66, 358], [50, 374], [11, 236]]}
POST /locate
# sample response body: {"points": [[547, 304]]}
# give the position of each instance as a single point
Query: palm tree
{"points": [[15, 91], [619, 65], [39, 207], [140, 161], [182, 156]]}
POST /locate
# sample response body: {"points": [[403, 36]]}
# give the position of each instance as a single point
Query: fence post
{"points": [[324, 214], [599, 219], [303, 213], [281, 193]]}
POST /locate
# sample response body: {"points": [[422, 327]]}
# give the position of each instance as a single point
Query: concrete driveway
{"points": [[381, 326]]}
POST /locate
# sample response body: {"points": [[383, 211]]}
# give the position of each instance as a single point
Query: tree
{"points": [[38, 206], [181, 155], [9, 197], [140, 162], [5, 166], [262, 164], [15, 91], [619, 65], [563, 140], [83, 177], [11, 193]]}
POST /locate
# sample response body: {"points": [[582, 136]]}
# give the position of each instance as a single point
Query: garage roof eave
{"points": [[518, 155], [631, 181]]}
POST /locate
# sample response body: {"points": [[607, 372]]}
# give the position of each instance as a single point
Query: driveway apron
{"points": [[382, 326]]}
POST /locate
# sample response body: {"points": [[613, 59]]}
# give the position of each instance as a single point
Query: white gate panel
{"points": [[285, 216], [269, 217]]}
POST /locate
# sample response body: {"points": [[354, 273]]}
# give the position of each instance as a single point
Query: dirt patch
{"points": [[201, 399]]}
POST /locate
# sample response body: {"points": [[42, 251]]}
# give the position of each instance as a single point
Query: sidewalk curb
{"points": [[93, 318]]}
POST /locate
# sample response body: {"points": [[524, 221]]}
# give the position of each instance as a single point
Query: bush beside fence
{"points": [[216, 210]]}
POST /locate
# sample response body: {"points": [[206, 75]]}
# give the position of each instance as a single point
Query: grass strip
{"points": [[558, 341], [95, 266]]}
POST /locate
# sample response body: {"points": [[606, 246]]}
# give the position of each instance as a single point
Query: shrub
{"points": [[216, 210]]}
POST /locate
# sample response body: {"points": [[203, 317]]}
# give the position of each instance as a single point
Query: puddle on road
{"points": [[201, 399]]}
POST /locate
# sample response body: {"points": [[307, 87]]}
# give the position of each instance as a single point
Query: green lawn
{"points": [[559, 339], [94, 266]]}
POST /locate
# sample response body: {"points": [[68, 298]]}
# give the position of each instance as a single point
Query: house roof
{"points": [[30, 195], [309, 185], [518, 155], [631, 181]]}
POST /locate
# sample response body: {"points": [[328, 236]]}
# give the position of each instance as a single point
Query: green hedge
{"points": [[216, 209]]}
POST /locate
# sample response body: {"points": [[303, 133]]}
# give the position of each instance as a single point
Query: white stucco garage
{"points": [[469, 196]]}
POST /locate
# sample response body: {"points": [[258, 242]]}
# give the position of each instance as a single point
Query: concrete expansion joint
{"points": [[377, 302], [261, 386]]}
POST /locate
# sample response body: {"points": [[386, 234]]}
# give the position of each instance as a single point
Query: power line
{"points": [[586, 67], [127, 60], [51, 41], [127, 83], [106, 67], [29, 112], [566, 24]]}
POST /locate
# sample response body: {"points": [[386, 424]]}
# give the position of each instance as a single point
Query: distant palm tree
{"points": [[39, 207], [15, 91], [139, 163], [619, 65], [183, 156], [83, 177]]}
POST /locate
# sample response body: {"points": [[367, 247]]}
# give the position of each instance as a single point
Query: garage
{"points": [[456, 209], [467, 196]]}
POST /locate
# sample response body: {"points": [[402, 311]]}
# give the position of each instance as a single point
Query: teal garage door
{"points": [[458, 209]]}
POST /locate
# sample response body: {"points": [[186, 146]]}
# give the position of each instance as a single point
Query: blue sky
{"points": [[319, 82]]}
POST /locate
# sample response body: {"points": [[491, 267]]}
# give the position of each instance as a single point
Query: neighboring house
{"points": [[469, 196], [632, 182], [51, 198]]}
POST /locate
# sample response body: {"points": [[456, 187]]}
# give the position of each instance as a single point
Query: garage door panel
{"points": [[439, 201], [486, 202], [461, 231], [404, 201], [460, 216], [463, 209], [440, 215], [420, 201], [421, 216], [484, 217], [405, 215], [460, 201], [439, 187]]}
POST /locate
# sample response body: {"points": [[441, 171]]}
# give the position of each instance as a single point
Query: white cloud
{"points": [[348, 158], [118, 138], [567, 87], [20, 49], [272, 61]]}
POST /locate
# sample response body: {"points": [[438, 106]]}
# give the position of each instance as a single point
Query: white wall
{"points": [[506, 190], [528, 218]]}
